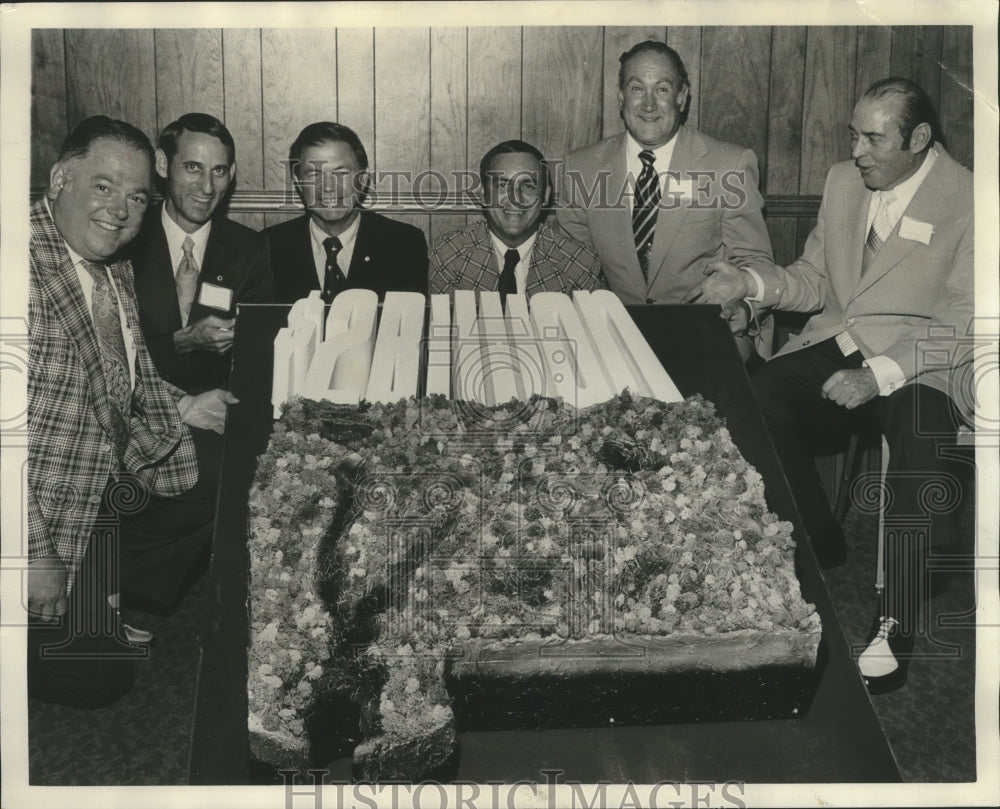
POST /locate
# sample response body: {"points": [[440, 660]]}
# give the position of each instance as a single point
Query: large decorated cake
{"points": [[403, 546]]}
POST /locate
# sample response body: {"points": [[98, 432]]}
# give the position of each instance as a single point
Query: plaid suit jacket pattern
{"points": [[465, 259], [70, 454]]}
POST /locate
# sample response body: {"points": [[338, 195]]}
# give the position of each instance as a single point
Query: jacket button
{"points": [[649, 300], [106, 447], [94, 498], [850, 321], [805, 342]]}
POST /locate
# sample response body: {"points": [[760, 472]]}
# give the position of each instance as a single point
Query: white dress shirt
{"points": [[524, 250], [175, 241], [347, 240]]}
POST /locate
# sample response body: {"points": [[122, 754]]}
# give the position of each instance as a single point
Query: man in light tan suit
{"points": [[888, 272], [705, 204]]}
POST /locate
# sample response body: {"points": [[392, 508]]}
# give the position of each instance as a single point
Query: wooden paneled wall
{"points": [[437, 98]]}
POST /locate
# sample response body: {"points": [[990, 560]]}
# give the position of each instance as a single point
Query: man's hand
{"points": [[211, 333], [723, 282], [47, 588], [737, 314], [851, 388], [207, 410]]}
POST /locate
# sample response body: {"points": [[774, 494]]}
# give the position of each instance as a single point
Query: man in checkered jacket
{"points": [[512, 250], [119, 492]]}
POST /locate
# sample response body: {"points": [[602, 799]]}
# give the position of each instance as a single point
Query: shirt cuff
{"points": [[888, 375], [758, 296]]}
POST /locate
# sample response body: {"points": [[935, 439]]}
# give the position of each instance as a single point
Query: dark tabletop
{"points": [[839, 739]]}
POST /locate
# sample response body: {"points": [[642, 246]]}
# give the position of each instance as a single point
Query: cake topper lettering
{"points": [[583, 349]]}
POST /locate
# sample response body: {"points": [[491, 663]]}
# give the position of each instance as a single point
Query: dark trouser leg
{"points": [[161, 541], [924, 493], [83, 663], [788, 391]]}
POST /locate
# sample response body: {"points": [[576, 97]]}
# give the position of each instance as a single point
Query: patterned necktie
{"points": [[644, 207], [333, 279], [186, 280], [508, 282], [878, 232], [114, 359]]}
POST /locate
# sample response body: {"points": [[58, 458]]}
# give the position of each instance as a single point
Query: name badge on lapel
{"points": [[915, 231], [215, 297]]}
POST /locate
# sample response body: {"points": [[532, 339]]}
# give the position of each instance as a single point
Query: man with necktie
{"points": [[661, 200], [888, 274], [193, 267], [512, 249], [336, 245], [112, 465]]}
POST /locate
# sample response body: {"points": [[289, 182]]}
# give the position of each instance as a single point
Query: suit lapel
{"points": [[361, 261], [62, 288], [927, 205], [161, 286], [480, 270], [215, 269], [688, 152]]}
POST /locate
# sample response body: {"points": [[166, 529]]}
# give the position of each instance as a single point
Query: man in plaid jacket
{"points": [[512, 249], [110, 460]]}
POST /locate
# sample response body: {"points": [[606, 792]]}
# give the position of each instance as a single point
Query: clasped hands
{"points": [[214, 334], [726, 285]]}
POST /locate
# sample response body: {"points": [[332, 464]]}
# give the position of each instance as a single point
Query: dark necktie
{"points": [[878, 232], [508, 283], [644, 208], [334, 280], [114, 359]]}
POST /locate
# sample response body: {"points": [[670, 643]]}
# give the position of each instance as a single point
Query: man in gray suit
{"points": [[695, 198], [888, 272]]}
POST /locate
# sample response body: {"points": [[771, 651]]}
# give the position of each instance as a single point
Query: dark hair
{"points": [[323, 131], [512, 147], [652, 46], [100, 127], [915, 106], [201, 123]]}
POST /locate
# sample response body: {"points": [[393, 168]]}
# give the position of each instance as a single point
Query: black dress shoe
{"points": [[884, 661]]}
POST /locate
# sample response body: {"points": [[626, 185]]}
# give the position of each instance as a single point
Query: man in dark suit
{"points": [[888, 274], [112, 464], [191, 267], [695, 198], [512, 249], [336, 245]]}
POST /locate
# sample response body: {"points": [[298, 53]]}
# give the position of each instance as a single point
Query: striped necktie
{"points": [[644, 207], [114, 359], [878, 232]]}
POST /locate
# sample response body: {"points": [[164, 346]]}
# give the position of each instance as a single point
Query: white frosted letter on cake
{"points": [[281, 378], [395, 367], [531, 378], [628, 359], [466, 355], [439, 347], [571, 362], [340, 367], [499, 361]]}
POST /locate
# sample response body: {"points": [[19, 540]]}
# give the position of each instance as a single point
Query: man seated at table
{"points": [[192, 267], [118, 489], [661, 200], [888, 274], [336, 245], [512, 249]]}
